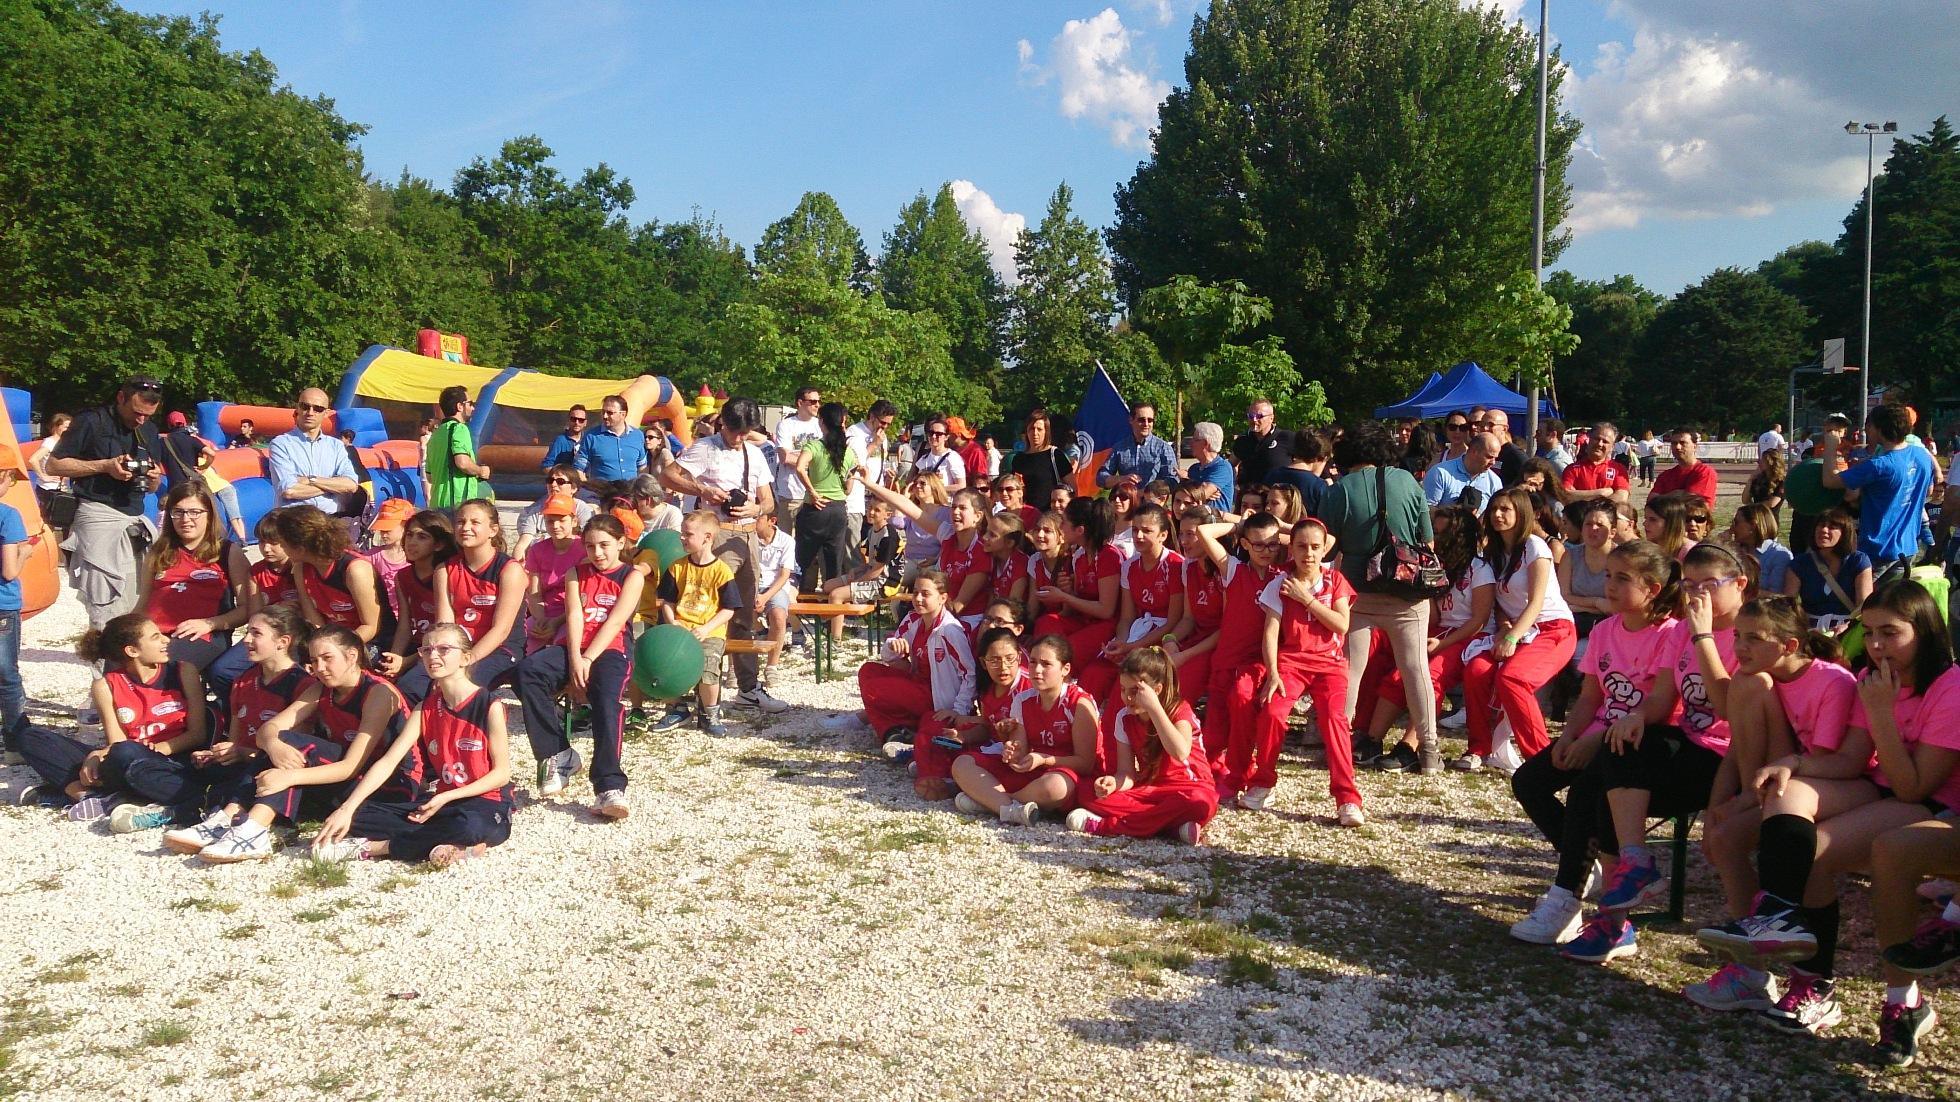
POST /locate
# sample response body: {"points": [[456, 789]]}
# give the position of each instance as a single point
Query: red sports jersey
{"points": [[276, 583], [455, 742], [188, 588], [1151, 589], [1204, 595], [1050, 730], [1042, 574], [1008, 570], [1304, 642], [598, 595], [961, 563], [150, 712], [415, 601], [334, 600], [1090, 570], [1244, 622], [1137, 731], [255, 700], [473, 593], [995, 707], [340, 710]]}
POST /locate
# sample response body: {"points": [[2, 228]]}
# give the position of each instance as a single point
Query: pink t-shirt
{"points": [[549, 566], [1696, 712], [1627, 663], [1932, 718], [1818, 705]]}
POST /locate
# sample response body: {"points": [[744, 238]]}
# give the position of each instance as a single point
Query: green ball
{"points": [[667, 662], [665, 542], [1805, 489]]}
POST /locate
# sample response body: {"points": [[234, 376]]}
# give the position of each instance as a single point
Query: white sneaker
{"points": [[846, 721], [1505, 758], [347, 849], [1079, 820], [248, 841], [759, 699], [556, 772], [1351, 815], [1554, 921], [898, 742], [1455, 721], [1468, 763], [611, 804], [1258, 799], [1191, 834], [1019, 814], [193, 839], [967, 805], [130, 818]]}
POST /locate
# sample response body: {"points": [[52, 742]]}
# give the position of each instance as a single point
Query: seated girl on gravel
{"points": [[154, 715], [272, 575], [1789, 720], [1007, 541], [428, 542], [227, 767], [1083, 606], [922, 679], [1048, 744], [314, 748], [1001, 678], [458, 739], [337, 587], [1161, 784], [1622, 665], [482, 591], [1150, 602], [1191, 641]]}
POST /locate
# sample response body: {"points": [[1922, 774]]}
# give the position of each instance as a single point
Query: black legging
{"points": [[823, 542], [1570, 826]]}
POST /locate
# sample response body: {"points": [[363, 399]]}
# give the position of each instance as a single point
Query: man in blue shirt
{"points": [[1475, 469], [615, 452], [1211, 468], [564, 446], [1146, 458], [308, 467], [1892, 486]]}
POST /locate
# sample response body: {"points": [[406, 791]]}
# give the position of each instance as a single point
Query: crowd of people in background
{"points": [[1118, 640]]}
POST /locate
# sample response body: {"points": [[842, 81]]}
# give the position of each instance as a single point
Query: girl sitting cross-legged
{"points": [[1161, 784], [1048, 744]]}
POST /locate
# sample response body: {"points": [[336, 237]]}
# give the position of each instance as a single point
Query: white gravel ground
{"points": [[781, 918]]}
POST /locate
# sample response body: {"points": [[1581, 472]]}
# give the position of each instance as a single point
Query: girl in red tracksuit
{"points": [[1191, 641], [1535, 640], [1084, 611], [1007, 542], [1151, 603], [1241, 630], [1049, 564], [925, 677], [464, 806], [1161, 781], [428, 542], [1048, 744], [481, 590], [1001, 679], [1302, 651], [964, 560]]}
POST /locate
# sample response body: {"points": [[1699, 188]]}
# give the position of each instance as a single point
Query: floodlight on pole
{"points": [[1870, 131]]}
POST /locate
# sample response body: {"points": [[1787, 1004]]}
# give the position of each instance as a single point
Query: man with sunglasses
{"points": [[110, 455], [791, 432], [1146, 458], [1265, 448], [564, 446], [307, 466]]}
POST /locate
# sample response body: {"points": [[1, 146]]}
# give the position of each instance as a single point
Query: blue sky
{"points": [[1713, 127]]}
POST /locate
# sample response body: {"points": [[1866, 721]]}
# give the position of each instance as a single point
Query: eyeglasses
{"points": [[613, 412], [997, 621], [1701, 520], [1258, 416], [438, 650], [941, 432], [188, 514], [1711, 584], [1000, 660], [1144, 420], [307, 407], [1456, 426], [812, 399], [576, 420], [559, 481]]}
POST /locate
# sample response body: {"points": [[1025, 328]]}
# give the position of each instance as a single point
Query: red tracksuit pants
{"points": [[1258, 730], [1512, 685], [893, 697], [1154, 809]]}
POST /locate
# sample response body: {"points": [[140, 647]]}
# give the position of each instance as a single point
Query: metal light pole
{"points": [[1871, 131], [1538, 209]]}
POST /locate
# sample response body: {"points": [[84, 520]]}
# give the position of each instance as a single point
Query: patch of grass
{"points": [[72, 969], [316, 914], [331, 1082], [126, 989], [322, 874], [925, 835], [184, 1002], [1244, 968], [166, 1033], [206, 905], [49, 883], [1148, 962], [394, 883], [19, 1020], [249, 929]]}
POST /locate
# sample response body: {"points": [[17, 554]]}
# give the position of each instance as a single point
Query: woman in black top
{"points": [[1042, 466]]}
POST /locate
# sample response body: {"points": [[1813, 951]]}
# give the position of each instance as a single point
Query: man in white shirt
{"points": [[791, 431], [1771, 441], [939, 458], [730, 475], [868, 437]]}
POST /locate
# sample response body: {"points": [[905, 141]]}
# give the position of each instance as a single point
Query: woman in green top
{"points": [[823, 536], [1353, 511]]}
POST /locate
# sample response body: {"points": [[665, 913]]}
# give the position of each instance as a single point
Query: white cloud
{"points": [[1163, 11], [1730, 108], [1094, 64], [1509, 9], [999, 228]]}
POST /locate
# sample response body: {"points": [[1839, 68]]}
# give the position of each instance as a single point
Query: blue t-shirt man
{"points": [[1892, 488]]}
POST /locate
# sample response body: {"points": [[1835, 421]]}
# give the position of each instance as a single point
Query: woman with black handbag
{"points": [[1377, 514]]}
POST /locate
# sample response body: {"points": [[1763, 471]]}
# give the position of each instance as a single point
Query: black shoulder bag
{"points": [[1397, 567]]}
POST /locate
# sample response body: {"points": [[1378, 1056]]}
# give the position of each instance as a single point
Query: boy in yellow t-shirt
{"points": [[699, 593]]}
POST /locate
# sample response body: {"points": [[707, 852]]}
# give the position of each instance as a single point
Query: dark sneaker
{"points": [[1604, 938], [1777, 933], [1809, 1006], [1630, 885], [1899, 1033], [1401, 758], [1730, 939], [1934, 947], [676, 717]]}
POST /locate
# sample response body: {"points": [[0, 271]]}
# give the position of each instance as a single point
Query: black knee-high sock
{"points": [[1784, 853], [1822, 921]]}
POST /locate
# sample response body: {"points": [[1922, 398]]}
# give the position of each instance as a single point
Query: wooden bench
{"points": [[818, 611]]}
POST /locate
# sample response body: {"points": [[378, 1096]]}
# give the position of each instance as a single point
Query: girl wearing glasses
{"points": [[1002, 677], [197, 585], [1047, 744], [315, 746], [1661, 759], [458, 743], [427, 542]]}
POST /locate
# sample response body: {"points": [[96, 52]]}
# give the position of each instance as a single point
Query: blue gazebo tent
{"points": [[1462, 387]]}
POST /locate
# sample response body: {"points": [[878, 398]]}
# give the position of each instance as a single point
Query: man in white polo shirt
{"points": [[791, 431], [869, 438]]}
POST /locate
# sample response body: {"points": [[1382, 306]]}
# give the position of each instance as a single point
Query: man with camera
{"points": [[110, 456], [732, 477]]}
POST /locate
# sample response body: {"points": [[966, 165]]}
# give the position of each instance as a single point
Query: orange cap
{"points": [[559, 505], [394, 514]]}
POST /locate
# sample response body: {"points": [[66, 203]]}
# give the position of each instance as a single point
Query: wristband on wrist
{"points": [[1700, 635]]}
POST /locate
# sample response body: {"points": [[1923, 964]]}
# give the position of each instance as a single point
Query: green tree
{"points": [[1059, 326], [167, 206], [1524, 328], [817, 238], [1726, 346], [1595, 379], [1366, 165], [433, 278], [933, 261], [694, 274]]}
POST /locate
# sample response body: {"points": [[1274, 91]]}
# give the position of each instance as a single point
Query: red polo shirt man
{"points": [[1688, 473], [1594, 474]]}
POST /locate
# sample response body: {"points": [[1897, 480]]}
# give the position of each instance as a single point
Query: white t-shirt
{"points": [[1771, 441], [719, 465], [790, 434], [1455, 605], [1646, 449], [859, 436], [950, 468], [774, 557], [1514, 592]]}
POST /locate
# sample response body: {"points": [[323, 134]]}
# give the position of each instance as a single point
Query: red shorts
{"points": [[1013, 780]]}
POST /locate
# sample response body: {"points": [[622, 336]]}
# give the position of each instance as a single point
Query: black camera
{"points": [[138, 466], [737, 498]]}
